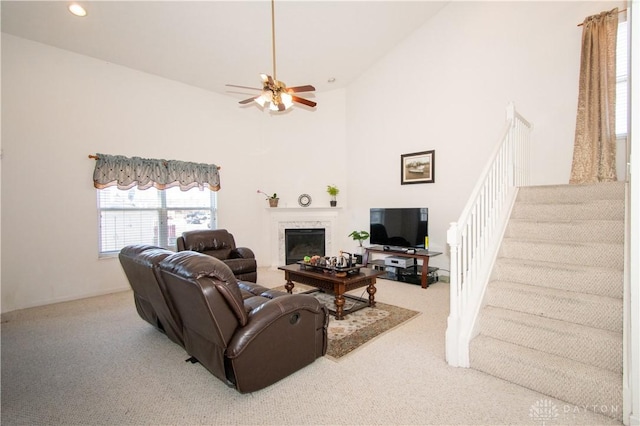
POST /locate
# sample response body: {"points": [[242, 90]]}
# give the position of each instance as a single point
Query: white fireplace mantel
{"points": [[304, 210], [282, 218]]}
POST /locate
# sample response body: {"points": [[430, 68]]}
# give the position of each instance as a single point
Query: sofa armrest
{"points": [[242, 253], [282, 336], [274, 320]]}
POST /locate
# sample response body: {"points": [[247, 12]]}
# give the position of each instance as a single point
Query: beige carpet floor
{"points": [[359, 327], [94, 361]]}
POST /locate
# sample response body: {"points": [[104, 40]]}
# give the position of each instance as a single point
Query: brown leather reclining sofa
{"points": [[245, 334]]}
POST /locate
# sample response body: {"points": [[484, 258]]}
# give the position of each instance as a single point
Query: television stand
{"points": [[416, 254]]}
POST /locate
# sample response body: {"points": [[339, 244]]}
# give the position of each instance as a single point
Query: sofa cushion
{"points": [[253, 288], [254, 302]]}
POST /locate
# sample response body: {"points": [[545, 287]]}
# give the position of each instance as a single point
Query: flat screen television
{"points": [[399, 227]]}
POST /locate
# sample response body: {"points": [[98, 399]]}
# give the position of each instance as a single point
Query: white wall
{"points": [[446, 88], [58, 107], [631, 384], [443, 88]]}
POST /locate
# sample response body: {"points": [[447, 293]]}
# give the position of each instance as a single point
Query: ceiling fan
{"points": [[275, 92]]}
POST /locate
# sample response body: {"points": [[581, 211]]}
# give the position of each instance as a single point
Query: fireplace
{"points": [[301, 242], [283, 219]]}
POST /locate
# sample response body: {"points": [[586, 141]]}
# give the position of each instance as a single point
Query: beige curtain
{"points": [[594, 150]]}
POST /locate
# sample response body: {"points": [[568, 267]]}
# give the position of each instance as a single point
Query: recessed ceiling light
{"points": [[77, 10]]}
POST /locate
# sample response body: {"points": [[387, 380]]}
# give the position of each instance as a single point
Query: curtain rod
{"points": [[620, 11], [95, 157]]}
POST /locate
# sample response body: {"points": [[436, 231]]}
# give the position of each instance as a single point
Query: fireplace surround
{"points": [[282, 219]]}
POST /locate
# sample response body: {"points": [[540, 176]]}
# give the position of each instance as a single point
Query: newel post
{"points": [[511, 112]]}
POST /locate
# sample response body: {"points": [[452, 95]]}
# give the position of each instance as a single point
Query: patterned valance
{"points": [[125, 173]]}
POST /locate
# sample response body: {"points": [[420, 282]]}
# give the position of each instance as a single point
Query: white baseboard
{"points": [[68, 298]]}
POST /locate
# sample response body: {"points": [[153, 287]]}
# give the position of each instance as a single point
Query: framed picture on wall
{"points": [[417, 167]]}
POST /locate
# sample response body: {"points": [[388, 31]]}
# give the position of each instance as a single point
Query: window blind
{"points": [[151, 216]]}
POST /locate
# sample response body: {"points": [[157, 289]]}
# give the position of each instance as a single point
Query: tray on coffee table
{"points": [[321, 268]]}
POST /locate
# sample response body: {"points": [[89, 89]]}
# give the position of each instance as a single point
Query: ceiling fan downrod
{"points": [[273, 36]]}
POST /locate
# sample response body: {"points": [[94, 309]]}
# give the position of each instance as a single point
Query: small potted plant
{"points": [[273, 199], [359, 236], [333, 191]]}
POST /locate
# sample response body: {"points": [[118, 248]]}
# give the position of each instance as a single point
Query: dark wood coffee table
{"points": [[326, 280]]}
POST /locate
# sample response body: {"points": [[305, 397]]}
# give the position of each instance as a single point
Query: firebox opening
{"points": [[303, 242]]}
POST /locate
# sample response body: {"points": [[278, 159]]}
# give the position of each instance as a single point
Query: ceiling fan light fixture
{"points": [[262, 99], [273, 107], [287, 100]]}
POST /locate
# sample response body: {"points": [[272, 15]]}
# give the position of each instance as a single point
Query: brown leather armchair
{"points": [[220, 244], [246, 335]]}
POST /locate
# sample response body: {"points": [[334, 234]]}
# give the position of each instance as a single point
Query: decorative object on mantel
{"points": [[272, 199], [359, 236], [304, 200], [333, 191]]}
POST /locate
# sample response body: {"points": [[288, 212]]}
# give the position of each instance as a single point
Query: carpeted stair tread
{"points": [[579, 308], [605, 231], [553, 311], [610, 255], [596, 209], [579, 278], [571, 381], [588, 345], [572, 193]]}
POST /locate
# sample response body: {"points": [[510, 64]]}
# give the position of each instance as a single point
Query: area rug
{"points": [[360, 327]]}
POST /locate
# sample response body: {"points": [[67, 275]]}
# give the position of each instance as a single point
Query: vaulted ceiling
{"points": [[210, 43]]}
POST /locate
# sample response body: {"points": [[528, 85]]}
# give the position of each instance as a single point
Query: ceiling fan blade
{"points": [[242, 87], [297, 89], [303, 101], [247, 101], [270, 80]]}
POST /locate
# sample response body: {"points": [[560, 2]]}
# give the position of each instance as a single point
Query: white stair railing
{"points": [[475, 238]]}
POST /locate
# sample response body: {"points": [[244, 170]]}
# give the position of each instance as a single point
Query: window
{"points": [[622, 56], [151, 216]]}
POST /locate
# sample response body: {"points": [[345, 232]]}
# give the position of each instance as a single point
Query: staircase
{"points": [[553, 312]]}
